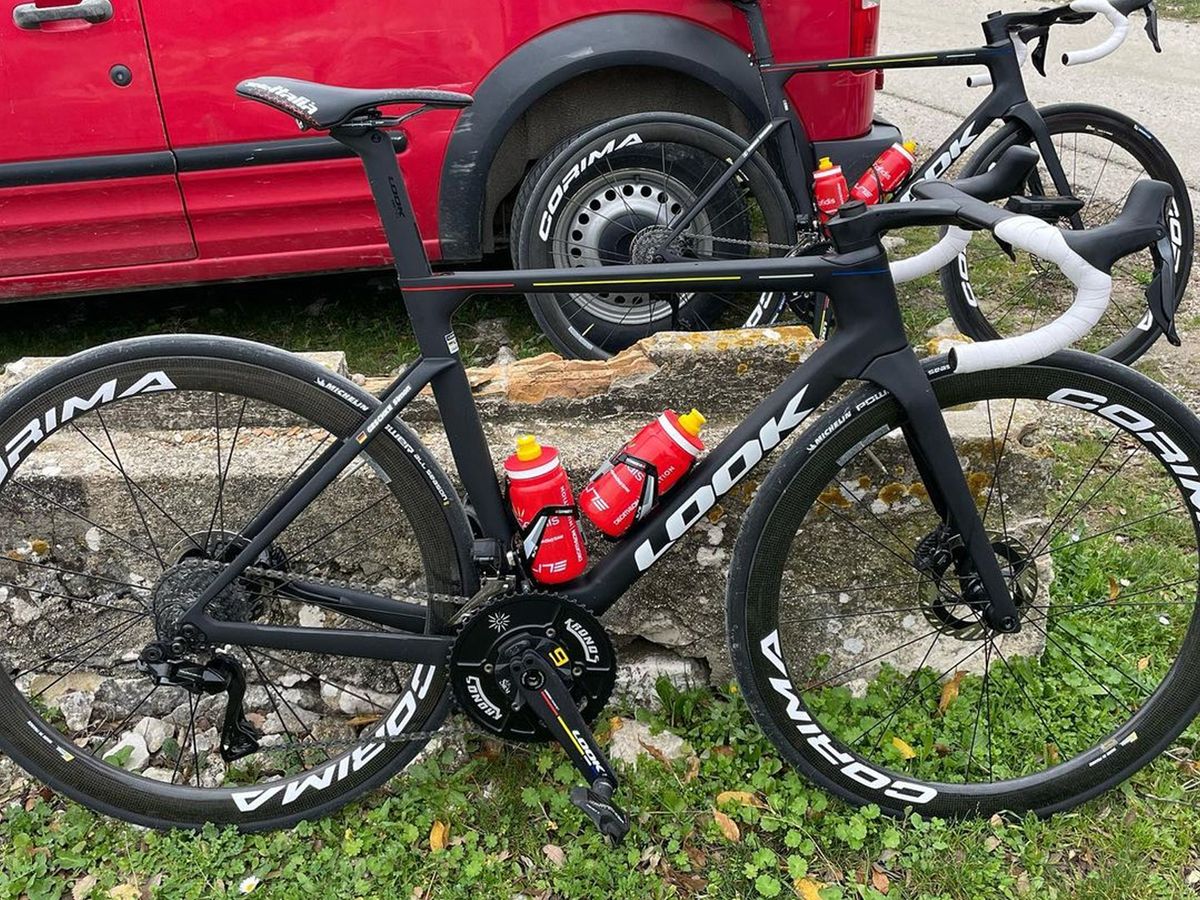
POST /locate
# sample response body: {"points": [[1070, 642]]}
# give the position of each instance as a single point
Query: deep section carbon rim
{"points": [[873, 668], [128, 480]]}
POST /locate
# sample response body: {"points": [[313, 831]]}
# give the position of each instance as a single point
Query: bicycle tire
{"points": [[818, 724], [283, 384]]}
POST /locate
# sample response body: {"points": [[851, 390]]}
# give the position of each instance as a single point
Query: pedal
{"points": [[597, 804], [541, 687]]}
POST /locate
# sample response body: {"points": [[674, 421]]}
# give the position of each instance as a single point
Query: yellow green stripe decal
{"points": [[635, 281], [865, 62]]}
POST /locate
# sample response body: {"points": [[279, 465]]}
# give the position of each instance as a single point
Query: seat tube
{"points": [[378, 154]]}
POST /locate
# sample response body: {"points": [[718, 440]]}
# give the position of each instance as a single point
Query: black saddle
{"points": [[325, 106]]}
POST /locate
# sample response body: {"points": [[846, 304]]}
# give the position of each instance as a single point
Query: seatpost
{"points": [[759, 39], [378, 154]]}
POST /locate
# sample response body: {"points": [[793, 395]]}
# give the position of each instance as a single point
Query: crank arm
{"points": [[543, 690]]}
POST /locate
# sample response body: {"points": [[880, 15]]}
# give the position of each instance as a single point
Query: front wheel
{"points": [[1103, 154], [609, 196], [858, 637]]}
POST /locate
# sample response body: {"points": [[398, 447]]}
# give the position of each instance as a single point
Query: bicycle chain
{"points": [[465, 604]]}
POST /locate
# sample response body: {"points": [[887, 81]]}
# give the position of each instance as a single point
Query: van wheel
{"points": [[608, 196]]}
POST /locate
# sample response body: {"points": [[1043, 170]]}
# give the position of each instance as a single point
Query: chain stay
{"points": [[445, 730]]}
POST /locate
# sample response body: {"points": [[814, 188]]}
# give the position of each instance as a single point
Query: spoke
{"points": [[974, 736], [128, 482], [881, 611], [906, 691], [144, 613], [1095, 462], [1115, 604], [1020, 683], [143, 551], [1122, 704], [70, 650], [1096, 186], [987, 702], [129, 718], [275, 706], [890, 532], [296, 554], [223, 473], [813, 685], [60, 571], [1099, 534], [1044, 541], [322, 679], [186, 738], [283, 482], [997, 491], [312, 569], [869, 536]]}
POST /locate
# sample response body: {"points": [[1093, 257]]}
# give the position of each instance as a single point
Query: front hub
{"points": [[952, 596]]}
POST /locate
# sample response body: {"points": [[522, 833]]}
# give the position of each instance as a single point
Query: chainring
{"points": [[506, 627]]}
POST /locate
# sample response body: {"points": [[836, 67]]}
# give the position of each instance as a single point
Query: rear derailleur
{"points": [[220, 675]]}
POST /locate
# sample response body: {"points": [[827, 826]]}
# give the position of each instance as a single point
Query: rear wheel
{"points": [[1103, 154], [609, 195], [872, 669], [131, 470]]}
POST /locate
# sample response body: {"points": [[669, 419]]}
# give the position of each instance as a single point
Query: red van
{"points": [[126, 161]]}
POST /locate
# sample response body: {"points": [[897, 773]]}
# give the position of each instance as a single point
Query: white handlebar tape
{"points": [[1093, 290], [945, 250], [1120, 30], [985, 80]]}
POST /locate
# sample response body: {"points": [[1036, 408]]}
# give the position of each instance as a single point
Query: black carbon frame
{"points": [[870, 343], [1006, 101]]}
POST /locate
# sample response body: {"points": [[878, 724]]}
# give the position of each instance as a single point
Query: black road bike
{"points": [[655, 186], [239, 589]]}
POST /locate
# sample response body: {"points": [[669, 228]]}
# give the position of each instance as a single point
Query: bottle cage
{"points": [[649, 496], [531, 536]]}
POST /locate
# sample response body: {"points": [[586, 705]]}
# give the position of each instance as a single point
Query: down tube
{"points": [[771, 421]]}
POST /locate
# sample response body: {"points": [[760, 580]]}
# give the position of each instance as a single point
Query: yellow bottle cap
{"points": [[910, 146], [692, 422], [528, 448], [824, 163]]}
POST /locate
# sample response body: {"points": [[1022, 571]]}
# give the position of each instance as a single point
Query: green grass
{"points": [[1180, 9], [362, 315], [508, 816]]}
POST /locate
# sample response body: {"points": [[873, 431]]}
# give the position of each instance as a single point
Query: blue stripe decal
{"points": [[859, 272]]}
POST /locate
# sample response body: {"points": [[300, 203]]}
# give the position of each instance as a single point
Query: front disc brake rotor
{"points": [[941, 588]]}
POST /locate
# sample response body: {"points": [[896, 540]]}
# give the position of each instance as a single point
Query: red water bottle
{"points": [[538, 483], [829, 187], [886, 174], [629, 485]]}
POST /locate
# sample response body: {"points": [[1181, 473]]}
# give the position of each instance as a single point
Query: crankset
{"points": [[538, 667]]}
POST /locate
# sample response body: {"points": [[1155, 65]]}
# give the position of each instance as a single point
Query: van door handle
{"points": [[30, 15]]}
